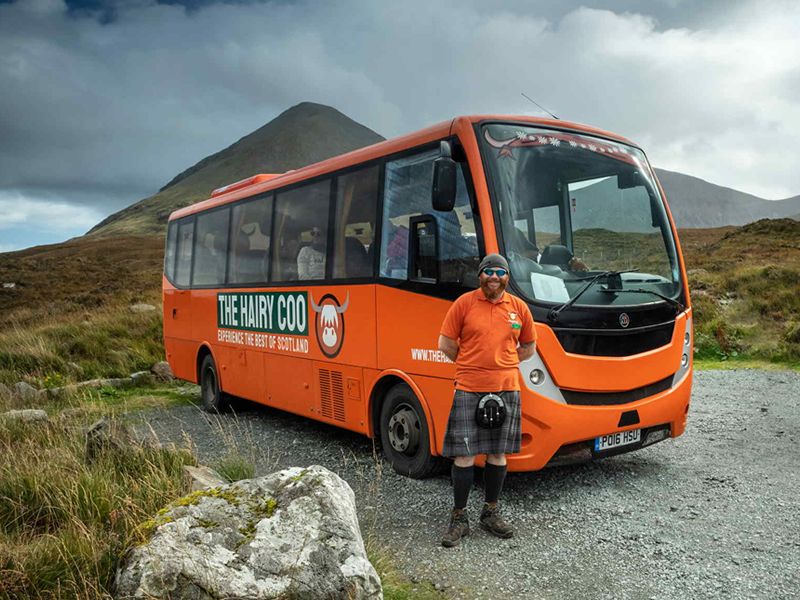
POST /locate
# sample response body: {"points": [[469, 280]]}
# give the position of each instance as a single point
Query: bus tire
{"points": [[405, 436], [212, 398]]}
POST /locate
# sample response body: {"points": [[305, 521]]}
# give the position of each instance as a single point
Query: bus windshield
{"points": [[573, 207]]}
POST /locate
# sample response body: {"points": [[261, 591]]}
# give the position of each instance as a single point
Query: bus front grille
{"points": [[608, 398], [615, 342], [331, 388]]}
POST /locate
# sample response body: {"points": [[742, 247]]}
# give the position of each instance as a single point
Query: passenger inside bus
{"points": [[311, 258]]}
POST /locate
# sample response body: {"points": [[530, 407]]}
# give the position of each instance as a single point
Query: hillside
{"points": [[300, 136], [698, 203]]}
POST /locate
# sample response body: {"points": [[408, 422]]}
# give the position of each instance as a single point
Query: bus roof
{"points": [[263, 183]]}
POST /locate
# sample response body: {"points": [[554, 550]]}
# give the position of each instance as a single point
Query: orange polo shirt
{"points": [[487, 334]]}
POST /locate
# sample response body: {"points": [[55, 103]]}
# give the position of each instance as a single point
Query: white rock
{"points": [[142, 308], [26, 391], [28, 415], [291, 534], [142, 378]]}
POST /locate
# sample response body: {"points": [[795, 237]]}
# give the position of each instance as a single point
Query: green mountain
{"points": [[302, 135]]}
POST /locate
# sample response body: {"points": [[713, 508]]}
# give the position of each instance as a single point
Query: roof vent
{"points": [[243, 183]]}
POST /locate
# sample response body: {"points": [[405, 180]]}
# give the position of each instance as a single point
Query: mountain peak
{"points": [[301, 135]]}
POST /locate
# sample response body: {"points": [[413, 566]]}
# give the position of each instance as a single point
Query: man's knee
{"points": [[496, 459], [464, 461]]}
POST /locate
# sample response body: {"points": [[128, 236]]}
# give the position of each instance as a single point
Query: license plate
{"points": [[615, 440]]}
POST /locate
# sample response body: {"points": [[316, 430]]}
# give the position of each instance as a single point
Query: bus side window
{"points": [[354, 230], [301, 229], [408, 194], [211, 247], [170, 251], [183, 269], [248, 258]]}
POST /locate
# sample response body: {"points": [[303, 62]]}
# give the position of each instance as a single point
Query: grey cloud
{"points": [[104, 113]]}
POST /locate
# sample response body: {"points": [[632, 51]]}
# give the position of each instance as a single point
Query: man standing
{"points": [[487, 333]]}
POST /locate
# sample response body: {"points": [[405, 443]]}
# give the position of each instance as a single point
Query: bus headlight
{"points": [[687, 338], [536, 376], [684, 360]]}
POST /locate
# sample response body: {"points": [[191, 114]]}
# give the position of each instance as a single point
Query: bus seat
{"points": [[357, 262], [555, 254]]}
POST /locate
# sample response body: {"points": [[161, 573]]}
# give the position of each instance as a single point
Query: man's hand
{"points": [[449, 346], [525, 351]]}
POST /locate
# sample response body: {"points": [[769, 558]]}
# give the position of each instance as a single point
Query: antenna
{"points": [[539, 105]]}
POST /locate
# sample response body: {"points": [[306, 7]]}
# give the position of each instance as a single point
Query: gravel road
{"points": [[714, 513]]}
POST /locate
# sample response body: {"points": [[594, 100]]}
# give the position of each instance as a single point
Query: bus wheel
{"points": [[213, 399], [405, 436]]}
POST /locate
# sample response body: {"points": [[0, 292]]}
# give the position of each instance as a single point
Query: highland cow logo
{"points": [[329, 323]]}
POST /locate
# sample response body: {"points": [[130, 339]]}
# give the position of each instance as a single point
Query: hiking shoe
{"points": [[459, 527], [492, 522]]}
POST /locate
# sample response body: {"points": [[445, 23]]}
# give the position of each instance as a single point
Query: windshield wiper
{"points": [[678, 306], [555, 311]]}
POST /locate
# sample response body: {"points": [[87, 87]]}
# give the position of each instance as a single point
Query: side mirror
{"points": [[443, 194]]}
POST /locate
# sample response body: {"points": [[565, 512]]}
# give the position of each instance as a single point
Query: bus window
{"points": [[354, 232], [408, 194], [301, 227], [547, 227], [169, 253], [211, 247], [249, 248], [183, 269]]}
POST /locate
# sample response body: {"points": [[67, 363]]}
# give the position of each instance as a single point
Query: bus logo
{"points": [[329, 323], [624, 319]]}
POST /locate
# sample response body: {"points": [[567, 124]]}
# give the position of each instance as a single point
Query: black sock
{"points": [[493, 477], [462, 484]]}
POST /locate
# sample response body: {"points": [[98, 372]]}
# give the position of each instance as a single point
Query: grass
{"points": [[744, 283], [110, 341], [65, 522]]}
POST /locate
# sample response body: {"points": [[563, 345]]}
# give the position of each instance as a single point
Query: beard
{"points": [[493, 293]]}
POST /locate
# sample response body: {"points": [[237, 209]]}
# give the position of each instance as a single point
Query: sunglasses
{"points": [[316, 233], [499, 272]]}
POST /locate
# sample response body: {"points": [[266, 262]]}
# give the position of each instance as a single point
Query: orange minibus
{"points": [[321, 291]]}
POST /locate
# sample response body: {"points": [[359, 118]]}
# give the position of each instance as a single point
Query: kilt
{"points": [[463, 436]]}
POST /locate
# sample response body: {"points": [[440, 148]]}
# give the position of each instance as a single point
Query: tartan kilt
{"points": [[463, 436]]}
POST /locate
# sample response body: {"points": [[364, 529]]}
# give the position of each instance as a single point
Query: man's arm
{"points": [[449, 346], [525, 351], [303, 264]]}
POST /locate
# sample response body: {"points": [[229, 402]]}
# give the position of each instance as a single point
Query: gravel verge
{"points": [[714, 513]]}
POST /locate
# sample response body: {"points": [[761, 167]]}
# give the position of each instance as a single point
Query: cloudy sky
{"points": [[102, 102]]}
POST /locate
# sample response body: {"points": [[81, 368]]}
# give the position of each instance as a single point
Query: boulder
{"points": [[142, 378], [162, 371], [202, 477], [291, 534], [107, 436], [26, 392], [142, 308], [28, 415]]}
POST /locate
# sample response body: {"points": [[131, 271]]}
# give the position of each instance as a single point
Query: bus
{"points": [[321, 291]]}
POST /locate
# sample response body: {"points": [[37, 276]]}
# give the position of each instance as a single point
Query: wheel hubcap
{"points": [[404, 430]]}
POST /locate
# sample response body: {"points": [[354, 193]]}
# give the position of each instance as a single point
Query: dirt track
{"points": [[714, 513]]}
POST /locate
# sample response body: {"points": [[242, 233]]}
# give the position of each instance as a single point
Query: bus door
{"points": [[178, 304]]}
